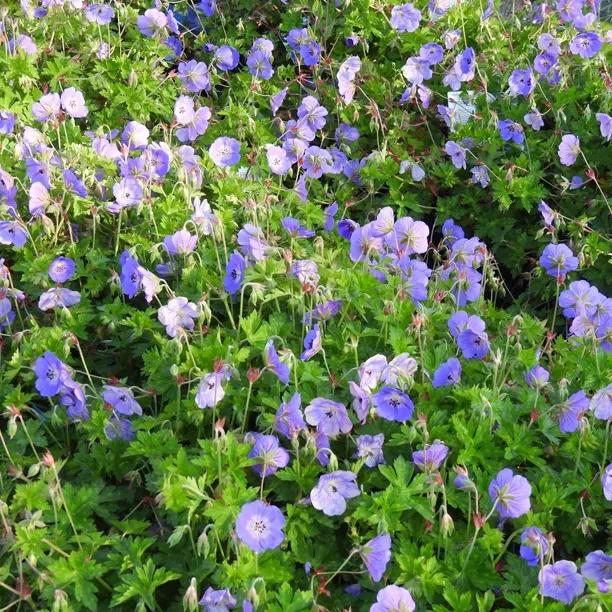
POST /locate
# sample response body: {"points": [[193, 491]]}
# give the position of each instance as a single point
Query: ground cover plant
{"points": [[303, 306]]}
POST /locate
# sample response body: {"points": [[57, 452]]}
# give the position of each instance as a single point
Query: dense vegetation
{"points": [[303, 305]]}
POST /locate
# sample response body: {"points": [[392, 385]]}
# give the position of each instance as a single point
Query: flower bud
{"points": [[447, 526], [190, 599], [60, 601]]}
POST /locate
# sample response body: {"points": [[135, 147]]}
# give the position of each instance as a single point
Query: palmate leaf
{"points": [[141, 584]]}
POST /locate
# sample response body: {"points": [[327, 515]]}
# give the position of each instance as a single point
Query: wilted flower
{"points": [[210, 390], [601, 403], [58, 297]]}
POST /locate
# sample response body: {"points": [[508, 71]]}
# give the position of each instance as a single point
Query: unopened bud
{"points": [[60, 601], [190, 599], [447, 526]]}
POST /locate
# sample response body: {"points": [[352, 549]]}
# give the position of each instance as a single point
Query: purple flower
{"points": [[122, 400], [101, 14], [571, 411], [312, 113], [393, 405], [7, 316], [225, 151], [316, 161], [73, 183], [569, 149], [332, 491], [557, 260], [456, 152], [561, 581], [72, 398], [252, 243], [465, 64], [259, 65], [329, 214], [210, 390], [405, 18], [279, 161], [61, 269], [606, 482], [306, 271], [579, 298], [234, 273], [376, 554], [50, 374], [451, 231], [537, 377], [39, 199], [47, 108], [195, 123], [597, 566], [473, 344], [447, 374], [260, 526], [7, 122], [135, 135], [73, 103], [226, 57], [328, 416], [549, 44], [277, 100], [480, 175], [408, 237], [601, 404], [511, 494], [370, 449], [393, 599], [58, 297], [127, 192], [194, 76], [371, 371], [431, 458], [221, 600], [270, 456], [401, 367], [274, 364], [311, 53], [289, 420], [534, 119], [119, 429], [534, 546], [511, 131], [151, 23], [605, 125], [544, 62], [585, 44], [180, 243], [548, 214], [521, 82], [177, 316], [312, 343]]}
